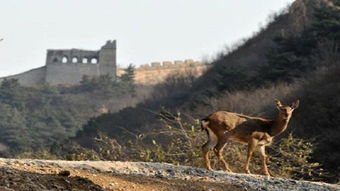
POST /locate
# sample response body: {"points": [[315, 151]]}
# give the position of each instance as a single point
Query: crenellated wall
{"points": [[157, 72], [68, 66]]}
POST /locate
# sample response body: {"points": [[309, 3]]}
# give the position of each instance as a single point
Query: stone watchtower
{"points": [[68, 66]]}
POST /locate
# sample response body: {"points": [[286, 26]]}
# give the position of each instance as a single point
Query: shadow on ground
{"points": [[13, 179]]}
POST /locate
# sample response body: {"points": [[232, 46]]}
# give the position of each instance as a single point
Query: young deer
{"points": [[253, 131]]}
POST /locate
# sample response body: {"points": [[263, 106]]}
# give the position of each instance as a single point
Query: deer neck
{"points": [[279, 126]]}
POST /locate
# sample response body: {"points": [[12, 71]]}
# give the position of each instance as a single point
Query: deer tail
{"points": [[204, 124]]}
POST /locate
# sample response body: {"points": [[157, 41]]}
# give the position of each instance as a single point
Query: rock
{"points": [[64, 173], [113, 184], [58, 187]]}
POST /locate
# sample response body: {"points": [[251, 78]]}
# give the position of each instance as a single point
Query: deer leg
{"points": [[219, 153], [264, 160], [251, 147], [206, 151], [208, 146]]}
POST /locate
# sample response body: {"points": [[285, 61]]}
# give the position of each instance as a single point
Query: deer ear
{"points": [[278, 103], [295, 104]]}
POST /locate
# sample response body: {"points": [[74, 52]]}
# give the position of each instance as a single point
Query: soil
{"points": [[38, 175], [46, 178]]}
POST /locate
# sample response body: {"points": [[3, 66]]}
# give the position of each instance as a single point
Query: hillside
{"points": [[105, 175], [294, 57], [35, 118]]}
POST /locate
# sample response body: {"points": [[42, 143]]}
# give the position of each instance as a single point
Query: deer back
{"points": [[234, 124], [224, 121]]}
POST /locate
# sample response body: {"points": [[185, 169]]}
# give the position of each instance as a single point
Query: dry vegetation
{"points": [[283, 61], [303, 63]]}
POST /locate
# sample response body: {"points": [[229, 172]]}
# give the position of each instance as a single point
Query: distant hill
{"points": [[35, 118]]}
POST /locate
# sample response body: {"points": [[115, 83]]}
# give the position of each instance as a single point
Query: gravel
{"points": [[169, 171]]}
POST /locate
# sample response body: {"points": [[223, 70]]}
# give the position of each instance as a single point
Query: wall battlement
{"points": [[68, 66], [169, 64], [157, 72]]}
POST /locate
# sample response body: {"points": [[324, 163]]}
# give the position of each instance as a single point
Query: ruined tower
{"points": [[107, 59], [68, 66]]}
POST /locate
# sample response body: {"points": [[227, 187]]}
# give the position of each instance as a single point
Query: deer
{"points": [[222, 126]]}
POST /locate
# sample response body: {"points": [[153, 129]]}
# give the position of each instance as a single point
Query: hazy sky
{"points": [[145, 30]]}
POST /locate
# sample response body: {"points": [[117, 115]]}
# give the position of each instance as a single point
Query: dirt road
{"points": [[39, 175]]}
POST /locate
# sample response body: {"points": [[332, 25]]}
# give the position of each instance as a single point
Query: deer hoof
{"points": [[228, 170], [266, 173], [247, 171]]}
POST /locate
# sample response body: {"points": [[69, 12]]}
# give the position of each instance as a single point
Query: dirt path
{"points": [[129, 176], [19, 176]]}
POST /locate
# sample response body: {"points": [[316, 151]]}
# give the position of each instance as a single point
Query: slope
{"points": [[286, 60]]}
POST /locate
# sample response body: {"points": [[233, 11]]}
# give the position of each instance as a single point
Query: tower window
{"points": [[85, 61], [64, 59], [74, 60], [94, 61]]}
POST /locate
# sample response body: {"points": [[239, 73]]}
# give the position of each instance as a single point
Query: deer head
{"points": [[285, 112]]}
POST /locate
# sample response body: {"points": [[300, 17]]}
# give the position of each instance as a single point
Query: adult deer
{"points": [[253, 131]]}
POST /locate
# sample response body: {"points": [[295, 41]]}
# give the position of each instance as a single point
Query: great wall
{"points": [[157, 72], [68, 66]]}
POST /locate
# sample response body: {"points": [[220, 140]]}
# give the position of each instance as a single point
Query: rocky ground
{"points": [[36, 175]]}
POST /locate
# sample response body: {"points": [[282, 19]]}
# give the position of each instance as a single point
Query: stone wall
{"points": [[157, 72], [31, 77], [68, 66], [69, 73]]}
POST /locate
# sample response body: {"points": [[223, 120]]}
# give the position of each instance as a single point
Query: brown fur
{"points": [[253, 131]]}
